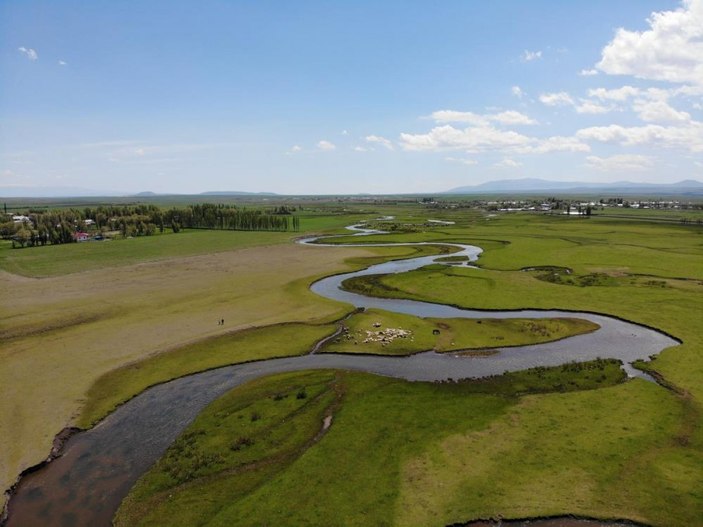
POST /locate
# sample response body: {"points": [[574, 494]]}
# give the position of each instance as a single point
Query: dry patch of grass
{"points": [[130, 313], [121, 384]]}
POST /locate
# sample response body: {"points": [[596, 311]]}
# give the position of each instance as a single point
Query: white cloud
{"points": [[517, 92], [659, 111], [508, 163], [671, 50], [377, 139], [295, 149], [688, 136], [615, 133], [588, 73], [326, 146], [452, 116], [556, 99], [462, 160], [618, 163], [591, 107], [475, 139], [695, 91], [529, 56], [511, 117], [582, 106], [658, 94], [28, 52], [484, 137], [650, 104], [618, 94], [555, 144], [62, 63], [345, 132], [362, 149]]}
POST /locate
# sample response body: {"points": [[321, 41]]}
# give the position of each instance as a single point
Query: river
{"points": [[96, 468]]}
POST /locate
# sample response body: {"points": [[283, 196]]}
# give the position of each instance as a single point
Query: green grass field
{"points": [[376, 332], [629, 451], [56, 260], [62, 333], [569, 440], [259, 449], [648, 273], [290, 339]]}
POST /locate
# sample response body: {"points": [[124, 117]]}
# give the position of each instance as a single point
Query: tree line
{"points": [[43, 227], [218, 216]]}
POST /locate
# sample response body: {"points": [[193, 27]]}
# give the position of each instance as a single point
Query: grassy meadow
{"points": [[631, 450], [297, 338], [62, 333], [259, 343], [262, 448], [375, 331], [57, 260], [569, 440]]}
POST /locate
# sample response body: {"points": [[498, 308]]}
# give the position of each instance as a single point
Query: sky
{"points": [[347, 97]]}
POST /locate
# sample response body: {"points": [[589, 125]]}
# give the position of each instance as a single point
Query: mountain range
{"points": [[687, 187], [534, 185]]}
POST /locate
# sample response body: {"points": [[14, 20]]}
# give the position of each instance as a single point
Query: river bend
{"points": [[86, 484]]}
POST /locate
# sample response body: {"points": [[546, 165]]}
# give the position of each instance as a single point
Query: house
{"points": [[21, 218], [81, 236]]}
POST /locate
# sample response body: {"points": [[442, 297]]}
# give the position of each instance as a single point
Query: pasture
{"points": [[99, 327]]}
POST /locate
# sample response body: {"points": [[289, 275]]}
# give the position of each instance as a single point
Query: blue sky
{"points": [[347, 97]]}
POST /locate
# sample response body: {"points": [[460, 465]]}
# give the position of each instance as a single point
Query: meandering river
{"points": [[85, 485]]}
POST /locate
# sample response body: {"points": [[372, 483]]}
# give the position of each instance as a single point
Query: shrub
{"points": [[241, 442]]}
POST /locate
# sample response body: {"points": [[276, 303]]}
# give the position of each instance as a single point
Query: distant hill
{"points": [[534, 185]]}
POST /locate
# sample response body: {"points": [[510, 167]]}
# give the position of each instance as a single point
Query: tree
{"points": [[23, 236]]}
